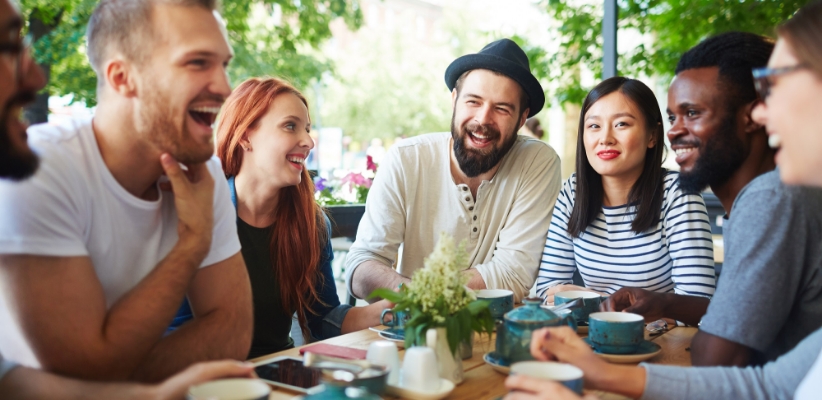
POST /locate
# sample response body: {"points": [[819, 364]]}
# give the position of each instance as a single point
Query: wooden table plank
{"points": [[481, 381]]}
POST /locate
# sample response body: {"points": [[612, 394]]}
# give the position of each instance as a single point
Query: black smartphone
{"points": [[289, 373]]}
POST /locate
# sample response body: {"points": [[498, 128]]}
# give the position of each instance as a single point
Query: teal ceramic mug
{"points": [[566, 374], [500, 301], [398, 319], [616, 332], [590, 303]]}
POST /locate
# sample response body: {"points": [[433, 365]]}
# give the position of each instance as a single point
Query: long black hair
{"points": [[646, 194]]}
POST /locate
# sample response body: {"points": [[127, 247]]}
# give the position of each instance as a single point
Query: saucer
{"points": [[646, 351], [391, 334], [491, 358], [446, 387]]}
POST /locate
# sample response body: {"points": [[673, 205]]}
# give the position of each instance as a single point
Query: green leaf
{"points": [[476, 306], [452, 331], [464, 319], [387, 294]]}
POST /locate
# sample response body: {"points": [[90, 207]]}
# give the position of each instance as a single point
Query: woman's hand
{"points": [[563, 344], [359, 318], [549, 294], [527, 388]]}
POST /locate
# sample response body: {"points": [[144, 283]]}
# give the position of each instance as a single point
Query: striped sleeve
{"points": [[688, 237], [558, 265]]}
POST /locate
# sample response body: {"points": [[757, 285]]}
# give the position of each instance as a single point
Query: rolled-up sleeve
{"points": [[518, 252], [382, 227]]}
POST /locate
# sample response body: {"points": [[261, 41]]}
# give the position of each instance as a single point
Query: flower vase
{"points": [[449, 364]]}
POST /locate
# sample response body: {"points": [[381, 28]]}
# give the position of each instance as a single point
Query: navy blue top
{"points": [[272, 325]]}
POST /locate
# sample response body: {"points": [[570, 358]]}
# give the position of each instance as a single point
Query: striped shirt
{"points": [[675, 255]]}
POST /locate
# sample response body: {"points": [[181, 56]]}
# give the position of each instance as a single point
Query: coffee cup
{"points": [[500, 301], [590, 303], [420, 370], [398, 318], [616, 332], [385, 353], [566, 374], [230, 389]]}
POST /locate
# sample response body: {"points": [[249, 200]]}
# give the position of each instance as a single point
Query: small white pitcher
{"points": [[450, 365]]}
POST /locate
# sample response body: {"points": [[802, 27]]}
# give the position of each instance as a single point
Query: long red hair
{"points": [[299, 234]]}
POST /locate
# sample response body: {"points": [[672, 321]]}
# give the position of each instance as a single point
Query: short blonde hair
{"points": [[124, 26]]}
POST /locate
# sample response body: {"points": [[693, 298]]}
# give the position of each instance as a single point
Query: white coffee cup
{"points": [[230, 389], [420, 371], [385, 353]]}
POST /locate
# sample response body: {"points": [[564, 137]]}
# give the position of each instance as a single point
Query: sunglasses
{"points": [[764, 78]]}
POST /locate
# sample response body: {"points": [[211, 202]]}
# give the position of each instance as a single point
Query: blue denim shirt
{"points": [[327, 323]]}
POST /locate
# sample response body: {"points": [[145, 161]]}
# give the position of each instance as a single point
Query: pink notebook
{"points": [[335, 351]]}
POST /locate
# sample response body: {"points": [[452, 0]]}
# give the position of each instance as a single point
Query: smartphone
{"points": [[289, 373]]}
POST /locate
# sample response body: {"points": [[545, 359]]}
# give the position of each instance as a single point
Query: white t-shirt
{"points": [[73, 206], [811, 386]]}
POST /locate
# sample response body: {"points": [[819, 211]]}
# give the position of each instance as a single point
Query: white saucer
{"points": [[392, 336], [446, 387], [491, 359]]}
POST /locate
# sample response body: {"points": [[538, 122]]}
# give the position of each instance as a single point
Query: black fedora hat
{"points": [[506, 57]]}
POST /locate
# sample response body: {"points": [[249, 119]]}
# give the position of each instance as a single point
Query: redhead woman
{"points": [[263, 142], [621, 219]]}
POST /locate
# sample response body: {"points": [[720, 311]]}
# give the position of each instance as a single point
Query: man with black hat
{"points": [[482, 184]]}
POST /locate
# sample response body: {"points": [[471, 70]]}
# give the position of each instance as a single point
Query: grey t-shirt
{"points": [[776, 380], [769, 295]]}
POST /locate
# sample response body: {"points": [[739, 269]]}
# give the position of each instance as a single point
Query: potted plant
{"points": [[441, 307]]}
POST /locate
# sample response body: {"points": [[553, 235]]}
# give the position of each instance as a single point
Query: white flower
{"points": [[442, 278]]}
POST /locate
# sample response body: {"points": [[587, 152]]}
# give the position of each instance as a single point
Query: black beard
{"points": [[475, 162], [719, 157], [15, 163]]}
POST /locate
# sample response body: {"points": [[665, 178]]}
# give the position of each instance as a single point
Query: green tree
{"points": [[392, 84], [283, 42], [673, 26]]}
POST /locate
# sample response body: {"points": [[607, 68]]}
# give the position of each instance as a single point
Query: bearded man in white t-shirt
{"points": [[95, 255]]}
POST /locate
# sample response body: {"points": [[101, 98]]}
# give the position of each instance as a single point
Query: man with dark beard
{"points": [[482, 184], [769, 296], [94, 258]]}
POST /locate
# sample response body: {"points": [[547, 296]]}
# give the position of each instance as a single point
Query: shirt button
{"points": [[471, 208], [475, 218], [475, 229], [467, 199], [464, 188]]}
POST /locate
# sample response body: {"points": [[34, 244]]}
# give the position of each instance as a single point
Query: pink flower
{"points": [[356, 179], [369, 162]]}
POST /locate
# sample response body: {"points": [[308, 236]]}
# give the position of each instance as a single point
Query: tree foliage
{"points": [[285, 45], [671, 27], [391, 84]]}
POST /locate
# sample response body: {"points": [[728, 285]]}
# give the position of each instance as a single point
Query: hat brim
{"points": [[497, 64]]}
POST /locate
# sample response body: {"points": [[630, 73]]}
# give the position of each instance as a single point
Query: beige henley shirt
{"points": [[414, 199]]}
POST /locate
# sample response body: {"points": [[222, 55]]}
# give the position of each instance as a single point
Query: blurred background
{"points": [[373, 69]]}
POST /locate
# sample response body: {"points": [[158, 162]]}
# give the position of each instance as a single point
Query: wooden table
{"points": [[481, 381]]}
